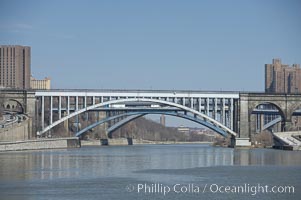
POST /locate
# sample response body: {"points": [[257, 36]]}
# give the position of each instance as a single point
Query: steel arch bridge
{"points": [[237, 111], [197, 116], [136, 114], [192, 113]]}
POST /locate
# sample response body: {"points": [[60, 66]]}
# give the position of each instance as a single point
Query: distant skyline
{"points": [[193, 45]]}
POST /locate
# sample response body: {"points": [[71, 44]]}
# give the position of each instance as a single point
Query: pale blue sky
{"points": [[158, 44]]}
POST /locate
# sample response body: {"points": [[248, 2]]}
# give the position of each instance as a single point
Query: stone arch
{"points": [[13, 105], [266, 117], [279, 107], [260, 122]]}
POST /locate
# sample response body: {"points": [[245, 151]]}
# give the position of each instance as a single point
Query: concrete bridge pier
{"points": [[242, 142], [243, 137]]}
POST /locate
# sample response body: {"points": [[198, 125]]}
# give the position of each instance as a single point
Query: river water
{"points": [[151, 172]]}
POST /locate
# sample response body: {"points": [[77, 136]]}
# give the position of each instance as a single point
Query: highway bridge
{"points": [[231, 114]]}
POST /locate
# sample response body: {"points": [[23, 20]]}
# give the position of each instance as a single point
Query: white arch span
{"points": [[184, 108]]}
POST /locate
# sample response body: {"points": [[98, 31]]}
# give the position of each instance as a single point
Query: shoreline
{"points": [[40, 144], [124, 141]]}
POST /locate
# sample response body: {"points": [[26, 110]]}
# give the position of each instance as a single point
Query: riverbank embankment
{"points": [[125, 141], [41, 143]]}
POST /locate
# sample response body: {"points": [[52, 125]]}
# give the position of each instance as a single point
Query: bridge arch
{"points": [[13, 105], [123, 122], [195, 113], [264, 116], [275, 104], [136, 114]]}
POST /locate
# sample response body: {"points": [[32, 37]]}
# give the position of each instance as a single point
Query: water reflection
{"points": [[245, 157], [91, 162]]}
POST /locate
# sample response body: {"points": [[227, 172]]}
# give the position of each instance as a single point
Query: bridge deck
{"points": [[138, 93]]}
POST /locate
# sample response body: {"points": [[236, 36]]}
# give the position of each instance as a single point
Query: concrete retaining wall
{"points": [[116, 141], [55, 143], [16, 132], [125, 141]]}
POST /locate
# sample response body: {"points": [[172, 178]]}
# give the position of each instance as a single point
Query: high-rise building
{"points": [[280, 78], [15, 66], [38, 84]]}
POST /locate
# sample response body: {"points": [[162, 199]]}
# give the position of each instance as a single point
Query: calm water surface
{"points": [[119, 172]]}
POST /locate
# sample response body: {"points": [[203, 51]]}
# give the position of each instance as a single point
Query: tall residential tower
{"points": [[15, 66], [280, 78]]}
